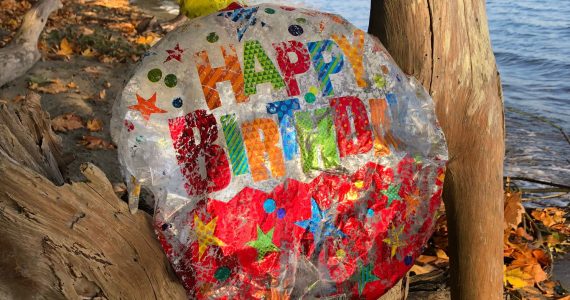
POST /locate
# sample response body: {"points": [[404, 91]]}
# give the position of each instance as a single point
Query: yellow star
{"points": [[205, 235], [394, 239]]}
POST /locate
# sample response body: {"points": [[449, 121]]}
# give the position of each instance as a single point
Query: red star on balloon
{"points": [[175, 53], [147, 107]]}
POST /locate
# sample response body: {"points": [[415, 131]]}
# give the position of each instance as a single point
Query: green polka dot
{"points": [[270, 11], [170, 80], [212, 37], [380, 81], [222, 274], [301, 20], [310, 97], [154, 75]]}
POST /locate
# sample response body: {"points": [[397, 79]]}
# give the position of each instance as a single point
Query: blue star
{"points": [[320, 225]]}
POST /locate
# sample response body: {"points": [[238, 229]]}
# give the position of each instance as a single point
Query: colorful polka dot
{"points": [[177, 102], [154, 75], [269, 205], [295, 30], [222, 274], [408, 260], [380, 81], [281, 213], [310, 97], [270, 11], [170, 80], [340, 253], [359, 184], [212, 37], [370, 213]]}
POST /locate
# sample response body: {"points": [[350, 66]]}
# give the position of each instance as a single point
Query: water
{"points": [[531, 41]]}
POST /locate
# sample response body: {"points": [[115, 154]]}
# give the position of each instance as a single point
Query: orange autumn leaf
{"points": [[65, 48], [52, 87], [513, 210], [66, 122], [549, 216], [145, 40], [95, 125], [95, 143]]}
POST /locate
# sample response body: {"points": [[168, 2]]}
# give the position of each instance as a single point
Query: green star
{"points": [[365, 276], [263, 244], [418, 159], [392, 193]]}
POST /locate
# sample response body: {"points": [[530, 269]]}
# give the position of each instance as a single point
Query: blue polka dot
{"points": [[269, 205], [177, 102], [281, 213], [370, 213], [408, 260], [271, 108]]}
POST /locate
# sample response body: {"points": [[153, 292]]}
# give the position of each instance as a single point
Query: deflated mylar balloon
{"points": [[288, 154]]}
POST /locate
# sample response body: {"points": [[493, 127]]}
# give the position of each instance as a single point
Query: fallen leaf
{"points": [[423, 260], [126, 27], [86, 31], [66, 122], [145, 40], [419, 270], [513, 210], [65, 48], [441, 254], [54, 87], [522, 233], [95, 125], [92, 70], [18, 99], [102, 94], [517, 278], [107, 59], [95, 143], [89, 52], [549, 216]]}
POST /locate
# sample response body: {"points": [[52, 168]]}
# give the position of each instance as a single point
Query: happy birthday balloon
{"points": [[288, 154]]}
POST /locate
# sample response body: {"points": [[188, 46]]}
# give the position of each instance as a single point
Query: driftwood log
{"points": [[70, 241], [22, 52], [446, 45]]}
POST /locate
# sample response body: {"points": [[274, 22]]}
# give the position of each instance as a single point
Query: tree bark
{"points": [[73, 241], [446, 45]]}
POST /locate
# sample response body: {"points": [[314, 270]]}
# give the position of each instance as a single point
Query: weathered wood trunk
{"points": [[73, 241], [446, 45]]}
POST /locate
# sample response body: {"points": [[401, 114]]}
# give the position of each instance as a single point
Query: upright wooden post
{"points": [[446, 45]]}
